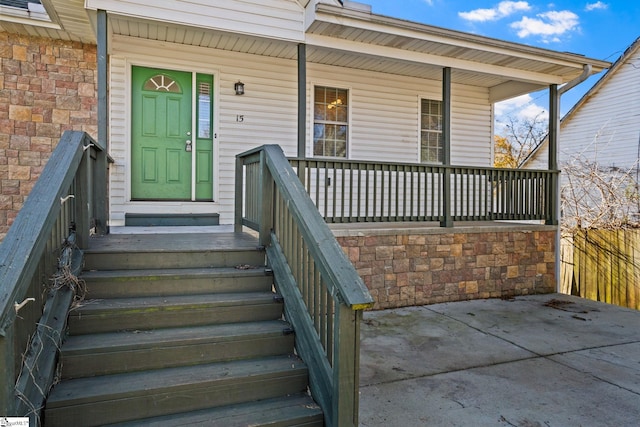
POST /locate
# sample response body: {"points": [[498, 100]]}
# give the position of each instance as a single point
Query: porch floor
{"points": [[217, 237], [544, 360]]}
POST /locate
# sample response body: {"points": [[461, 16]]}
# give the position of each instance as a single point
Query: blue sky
{"points": [[597, 29]]}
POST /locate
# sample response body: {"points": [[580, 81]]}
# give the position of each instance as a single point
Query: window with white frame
{"points": [[431, 142], [330, 121]]}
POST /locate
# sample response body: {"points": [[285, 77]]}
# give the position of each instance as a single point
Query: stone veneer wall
{"points": [[417, 266], [46, 87]]}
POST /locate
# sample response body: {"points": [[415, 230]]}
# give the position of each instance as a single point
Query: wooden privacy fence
{"points": [[602, 265]]}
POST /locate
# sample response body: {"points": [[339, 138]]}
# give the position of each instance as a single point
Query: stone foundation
{"points": [[412, 265]]}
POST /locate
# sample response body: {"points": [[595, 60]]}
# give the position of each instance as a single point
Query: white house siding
{"points": [[471, 127], [539, 159], [269, 110], [385, 115], [281, 19], [606, 128]]}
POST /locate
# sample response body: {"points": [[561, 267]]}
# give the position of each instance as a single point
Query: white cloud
{"points": [[508, 106], [549, 25], [522, 108], [503, 9], [596, 5]]}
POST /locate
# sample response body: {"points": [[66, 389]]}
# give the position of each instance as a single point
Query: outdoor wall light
{"points": [[239, 88]]}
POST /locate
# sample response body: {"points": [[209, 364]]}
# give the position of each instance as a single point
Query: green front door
{"points": [[161, 127], [161, 135]]}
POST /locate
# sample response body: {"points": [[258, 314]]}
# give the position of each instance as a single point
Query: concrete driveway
{"points": [[545, 360]]}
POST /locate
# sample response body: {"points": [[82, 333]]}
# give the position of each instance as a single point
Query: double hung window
{"points": [[431, 142], [330, 121]]}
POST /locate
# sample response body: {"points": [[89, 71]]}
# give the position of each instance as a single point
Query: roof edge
{"points": [[483, 41], [628, 52]]}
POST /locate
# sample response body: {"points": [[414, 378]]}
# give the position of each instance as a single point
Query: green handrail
{"points": [[65, 200], [348, 191], [324, 296]]}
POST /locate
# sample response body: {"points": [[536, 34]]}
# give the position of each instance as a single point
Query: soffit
{"points": [[194, 36]]}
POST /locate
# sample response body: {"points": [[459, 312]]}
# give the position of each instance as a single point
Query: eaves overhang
{"points": [[506, 68], [60, 20]]}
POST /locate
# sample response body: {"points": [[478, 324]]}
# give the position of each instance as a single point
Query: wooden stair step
{"points": [[106, 315], [125, 397], [154, 282], [168, 258], [296, 410], [128, 351]]}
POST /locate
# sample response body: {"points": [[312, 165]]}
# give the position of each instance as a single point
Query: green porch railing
{"points": [[67, 203], [324, 296], [366, 191]]}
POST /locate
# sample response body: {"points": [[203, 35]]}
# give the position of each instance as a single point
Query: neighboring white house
{"points": [[323, 79], [601, 130]]}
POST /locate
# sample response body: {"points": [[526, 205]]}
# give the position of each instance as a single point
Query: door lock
{"points": [[187, 147]]}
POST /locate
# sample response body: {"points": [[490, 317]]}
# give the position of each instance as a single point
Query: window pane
{"points": [[204, 110], [341, 114], [319, 112], [331, 113], [162, 83]]}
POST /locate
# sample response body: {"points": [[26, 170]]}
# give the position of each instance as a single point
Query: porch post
{"points": [[101, 193], [447, 221], [554, 127], [302, 99]]}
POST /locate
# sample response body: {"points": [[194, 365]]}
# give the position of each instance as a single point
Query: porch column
{"points": [[100, 184], [302, 99], [447, 221], [554, 127]]}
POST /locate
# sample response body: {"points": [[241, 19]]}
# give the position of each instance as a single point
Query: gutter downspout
{"points": [[553, 156], [586, 73]]}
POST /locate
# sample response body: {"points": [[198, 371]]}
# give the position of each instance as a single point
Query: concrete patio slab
{"points": [[545, 360]]}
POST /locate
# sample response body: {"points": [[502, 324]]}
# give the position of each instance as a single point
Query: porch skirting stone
{"points": [[416, 264]]}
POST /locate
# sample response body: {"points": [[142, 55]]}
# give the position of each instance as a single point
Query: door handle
{"points": [[187, 146]]}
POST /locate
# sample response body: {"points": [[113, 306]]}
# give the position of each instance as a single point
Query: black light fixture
{"points": [[239, 88]]}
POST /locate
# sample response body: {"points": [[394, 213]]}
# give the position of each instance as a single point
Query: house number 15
{"points": [[240, 118]]}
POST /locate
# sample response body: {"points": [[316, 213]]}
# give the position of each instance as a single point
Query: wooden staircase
{"points": [[191, 335]]}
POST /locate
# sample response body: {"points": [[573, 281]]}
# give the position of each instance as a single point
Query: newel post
{"points": [[346, 369], [83, 200], [239, 181], [265, 200]]}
